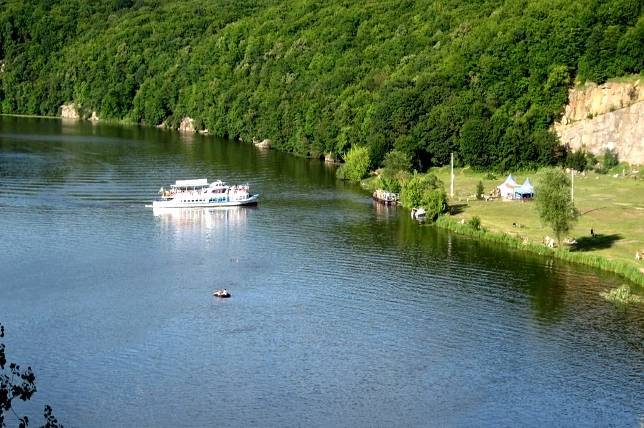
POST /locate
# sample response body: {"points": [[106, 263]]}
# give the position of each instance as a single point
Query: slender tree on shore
{"points": [[554, 202]]}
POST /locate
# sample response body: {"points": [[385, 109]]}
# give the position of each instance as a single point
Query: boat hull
{"points": [[384, 201], [252, 200]]}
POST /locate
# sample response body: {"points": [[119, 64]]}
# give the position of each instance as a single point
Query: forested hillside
{"points": [[483, 78]]}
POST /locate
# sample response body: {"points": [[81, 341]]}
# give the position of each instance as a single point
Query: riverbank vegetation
{"points": [[622, 295], [483, 79], [426, 191], [611, 205]]}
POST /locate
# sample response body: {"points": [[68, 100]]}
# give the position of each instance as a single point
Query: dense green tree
{"points": [[485, 80], [397, 160], [475, 143], [577, 160]]}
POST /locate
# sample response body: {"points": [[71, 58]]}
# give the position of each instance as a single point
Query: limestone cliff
{"points": [[608, 116]]}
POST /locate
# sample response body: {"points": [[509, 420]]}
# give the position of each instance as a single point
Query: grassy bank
{"points": [[612, 206], [619, 267]]}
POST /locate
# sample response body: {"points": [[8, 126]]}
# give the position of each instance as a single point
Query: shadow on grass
{"points": [[597, 242], [457, 208]]}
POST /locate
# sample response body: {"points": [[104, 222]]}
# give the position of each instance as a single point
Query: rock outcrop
{"points": [[608, 116], [69, 111], [264, 144], [330, 158], [187, 125], [94, 117]]}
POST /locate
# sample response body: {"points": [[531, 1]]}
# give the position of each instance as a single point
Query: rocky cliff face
{"points": [[608, 116], [187, 125]]}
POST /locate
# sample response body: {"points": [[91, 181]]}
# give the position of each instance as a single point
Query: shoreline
{"points": [[449, 223], [125, 122], [617, 267], [610, 203], [29, 116], [122, 122]]}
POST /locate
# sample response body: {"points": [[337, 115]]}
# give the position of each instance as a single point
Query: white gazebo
{"points": [[507, 188], [524, 191]]}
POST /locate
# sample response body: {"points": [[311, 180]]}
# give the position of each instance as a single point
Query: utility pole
{"points": [[451, 187], [572, 185]]}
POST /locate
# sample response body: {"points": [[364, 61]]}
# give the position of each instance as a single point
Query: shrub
{"points": [[591, 160], [610, 159], [479, 190], [577, 160], [390, 182], [435, 203], [356, 164], [424, 191], [411, 193], [475, 223]]}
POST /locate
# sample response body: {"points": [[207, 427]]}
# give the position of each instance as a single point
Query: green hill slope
{"points": [[484, 78]]}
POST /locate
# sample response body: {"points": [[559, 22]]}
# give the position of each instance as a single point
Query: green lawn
{"points": [[612, 206]]}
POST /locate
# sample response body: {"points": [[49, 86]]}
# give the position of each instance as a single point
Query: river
{"points": [[343, 313]]}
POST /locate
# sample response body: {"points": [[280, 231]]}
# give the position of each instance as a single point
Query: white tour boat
{"points": [[200, 193]]}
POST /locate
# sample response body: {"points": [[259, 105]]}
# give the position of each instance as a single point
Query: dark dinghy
{"points": [[223, 294]]}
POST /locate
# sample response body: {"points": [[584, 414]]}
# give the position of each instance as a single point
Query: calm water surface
{"points": [[343, 313]]}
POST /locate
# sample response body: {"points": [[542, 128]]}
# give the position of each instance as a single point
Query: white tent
{"points": [[507, 187], [526, 190]]}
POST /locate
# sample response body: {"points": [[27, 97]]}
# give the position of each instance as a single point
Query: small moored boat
{"points": [[384, 197]]}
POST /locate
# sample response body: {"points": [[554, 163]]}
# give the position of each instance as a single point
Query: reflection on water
{"points": [[386, 212], [201, 218]]}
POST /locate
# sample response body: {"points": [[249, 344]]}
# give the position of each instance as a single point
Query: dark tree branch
{"points": [[22, 385]]}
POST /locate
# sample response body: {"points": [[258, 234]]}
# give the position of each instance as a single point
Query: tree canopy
{"points": [[484, 79]]}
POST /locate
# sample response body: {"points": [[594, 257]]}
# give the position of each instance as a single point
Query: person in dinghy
{"points": [[221, 293]]}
